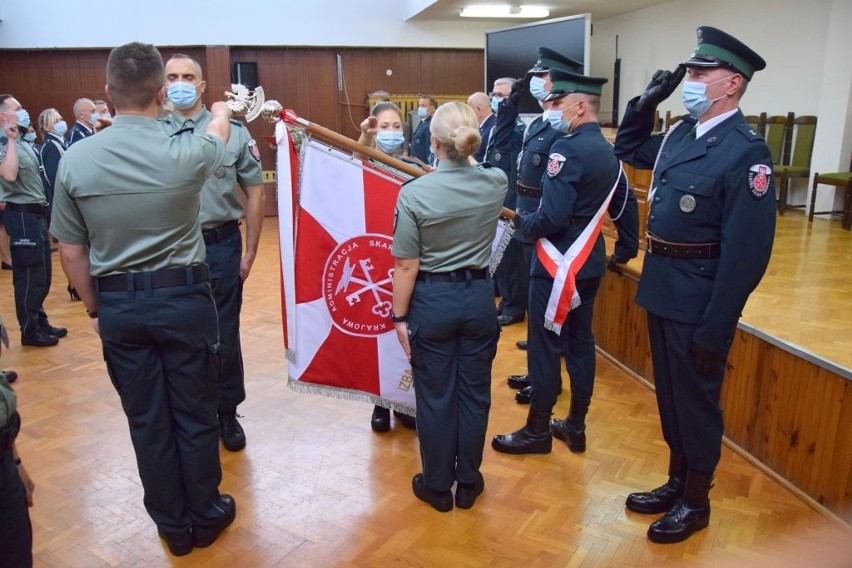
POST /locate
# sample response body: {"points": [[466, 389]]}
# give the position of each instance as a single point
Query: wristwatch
{"points": [[398, 319]]}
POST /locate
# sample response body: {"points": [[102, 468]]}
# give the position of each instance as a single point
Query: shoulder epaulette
{"points": [[238, 123], [182, 130], [749, 132]]}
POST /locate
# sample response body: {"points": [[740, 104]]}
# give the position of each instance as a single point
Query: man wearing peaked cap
{"points": [[709, 236], [532, 161], [583, 180]]}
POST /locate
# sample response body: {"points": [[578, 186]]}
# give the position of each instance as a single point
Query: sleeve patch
{"points": [[555, 164], [758, 180], [254, 150]]}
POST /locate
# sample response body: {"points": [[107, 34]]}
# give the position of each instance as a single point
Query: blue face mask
{"points": [[93, 118], [182, 95], [106, 115], [29, 137], [60, 128], [389, 142], [537, 88], [694, 97], [554, 117], [421, 112], [23, 118], [495, 103]]}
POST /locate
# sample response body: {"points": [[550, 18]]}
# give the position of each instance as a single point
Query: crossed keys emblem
{"points": [[381, 308]]}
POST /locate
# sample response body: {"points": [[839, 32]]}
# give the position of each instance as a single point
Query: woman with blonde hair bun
{"points": [[443, 306]]}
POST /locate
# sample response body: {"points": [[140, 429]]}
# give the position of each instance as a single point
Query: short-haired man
{"points": [[481, 105], [85, 117], [710, 230], [130, 237], [420, 141], [220, 215], [25, 221]]}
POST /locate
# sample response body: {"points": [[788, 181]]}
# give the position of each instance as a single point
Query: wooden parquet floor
{"points": [[316, 487]]}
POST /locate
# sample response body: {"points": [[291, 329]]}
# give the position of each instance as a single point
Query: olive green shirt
{"points": [[220, 200], [448, 218], [27, 187], [133, 192]]}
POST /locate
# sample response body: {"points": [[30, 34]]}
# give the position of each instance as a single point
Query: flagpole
{"points": [[292, 118]]}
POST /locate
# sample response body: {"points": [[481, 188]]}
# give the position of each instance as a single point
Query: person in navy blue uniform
{"points": [[481, 105], [85, 117], [710, 230], [419, 151], [582, 174], [532, 160]]}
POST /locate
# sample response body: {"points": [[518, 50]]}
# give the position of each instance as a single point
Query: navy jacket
{"points": [[716, 189], [580, 173], [420, 141], [506, 141]]}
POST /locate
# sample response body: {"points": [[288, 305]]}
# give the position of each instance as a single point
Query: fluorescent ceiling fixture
{"points": [[504, 11]]}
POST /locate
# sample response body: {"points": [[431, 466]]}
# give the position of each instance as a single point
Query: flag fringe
{"points": [[553, 326], [347, 394], [505, 238]]}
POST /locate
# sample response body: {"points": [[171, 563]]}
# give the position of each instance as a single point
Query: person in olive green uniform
{"points": [[443, 305], [221, 211], [24, 218], [133, 193]]}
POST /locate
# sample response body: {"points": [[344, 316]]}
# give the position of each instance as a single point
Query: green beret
{"points": [[717, 48]]}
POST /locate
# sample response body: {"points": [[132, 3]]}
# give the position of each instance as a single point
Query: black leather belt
{"points": [[223, 231], [683, 250], [528, 191], [183, 276], [460, 275], [27, 208]]}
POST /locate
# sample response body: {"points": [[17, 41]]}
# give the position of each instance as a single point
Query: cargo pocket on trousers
{"points": [[26, 252], [214, 366]]}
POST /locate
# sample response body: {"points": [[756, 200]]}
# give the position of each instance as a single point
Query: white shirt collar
{"points": [[703, 127]]}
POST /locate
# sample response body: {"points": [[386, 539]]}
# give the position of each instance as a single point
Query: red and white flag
{"points": [[343, 343]]}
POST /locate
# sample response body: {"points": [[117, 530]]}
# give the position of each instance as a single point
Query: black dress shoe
{"points": [[408, 421], [380, 422], [466, 493], [11, 376], [522, 345], [524, 396], [232, 434], [205, 535], [180, 544], [55, 331], [509, 320], [39, 339], [440, 500], [518, 381]]}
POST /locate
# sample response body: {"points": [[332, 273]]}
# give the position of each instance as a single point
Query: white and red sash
{"points": [[564, 268]]}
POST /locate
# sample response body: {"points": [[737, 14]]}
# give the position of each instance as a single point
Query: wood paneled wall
{"points": [[790, 414]]}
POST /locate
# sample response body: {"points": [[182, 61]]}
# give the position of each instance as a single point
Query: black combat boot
{"points": [[663, 498], [534, 438], [572, 430], [689, 515]]}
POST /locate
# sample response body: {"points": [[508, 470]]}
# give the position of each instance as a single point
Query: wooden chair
{"points": [[777, 129], [840, 180], [757, 122], [799, 165], [672, 119]]}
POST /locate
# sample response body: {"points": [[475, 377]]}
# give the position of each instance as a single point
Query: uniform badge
{"points": [[497, 156], [687, 204], [554, 166], [536, 160], [253, 149], [220, 172], [758, 180]]}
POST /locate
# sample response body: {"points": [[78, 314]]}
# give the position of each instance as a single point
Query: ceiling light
{"points": [[504, 11]]}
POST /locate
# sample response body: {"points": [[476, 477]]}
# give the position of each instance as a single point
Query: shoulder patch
{"points": [[254, 150], [758, 180], [555, 164], [750, 133]]}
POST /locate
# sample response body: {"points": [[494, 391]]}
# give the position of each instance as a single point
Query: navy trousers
{"points": [[223, 258], [16, 550], [31, 267], [453, 334], [688, 400], [512, 277], [576, 341], [161, 350]]}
